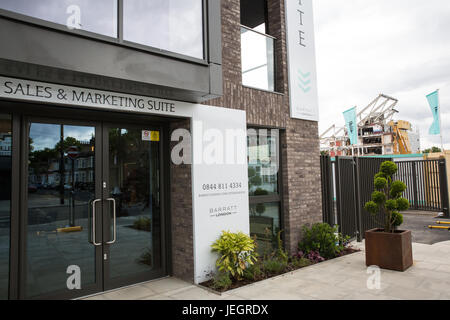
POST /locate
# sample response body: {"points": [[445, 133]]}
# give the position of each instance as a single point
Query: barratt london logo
{"points": [[223, 211]]}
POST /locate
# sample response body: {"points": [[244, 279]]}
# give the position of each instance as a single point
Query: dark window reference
{"points": [[254, 15], [172, 25], [99, 16], [264, 186], [5, 201]]}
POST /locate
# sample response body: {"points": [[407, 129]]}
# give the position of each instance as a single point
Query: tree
{"points": [[68, 142], [387, 198], [432, 150]]}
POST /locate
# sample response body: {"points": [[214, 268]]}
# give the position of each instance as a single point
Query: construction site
{"points": [[378, 133]]}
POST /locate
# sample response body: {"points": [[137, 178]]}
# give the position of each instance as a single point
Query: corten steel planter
{"points": [[392, 251]]}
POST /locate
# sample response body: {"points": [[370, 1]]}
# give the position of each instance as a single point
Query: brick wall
{"points": [[182, 246], [299, 139]]}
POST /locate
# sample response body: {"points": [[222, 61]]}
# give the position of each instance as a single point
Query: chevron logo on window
{"points": [[304, 80]]}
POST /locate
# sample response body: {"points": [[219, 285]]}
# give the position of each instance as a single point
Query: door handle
{"points": [[114, 221], [93, 223]]}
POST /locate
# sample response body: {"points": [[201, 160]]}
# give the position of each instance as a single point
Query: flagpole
{"points": [[440, 121]]}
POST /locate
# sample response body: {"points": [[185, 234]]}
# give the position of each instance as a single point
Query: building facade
{"points": [[134, 132]]}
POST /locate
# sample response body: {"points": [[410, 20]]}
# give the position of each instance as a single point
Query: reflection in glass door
{"points": [[61, 187], [5, 202], [134, 186]]}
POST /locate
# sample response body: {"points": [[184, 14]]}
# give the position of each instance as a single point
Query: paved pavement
{"points": [[341, 278], [418, 222]]}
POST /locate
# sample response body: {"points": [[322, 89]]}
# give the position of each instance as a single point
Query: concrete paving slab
{"points": [[403, 293], [131, 293], [342, 278]]}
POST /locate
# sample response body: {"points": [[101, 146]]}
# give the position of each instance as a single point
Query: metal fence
{"points": [[423, 181], [347, 184]]}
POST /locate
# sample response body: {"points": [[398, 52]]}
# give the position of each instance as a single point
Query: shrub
{"points": [[260, 208], [397, 219], [142, 223], [237, 251], [388, 200], [281, 254], [253, 272], [221, 281], [261, 192], [315, 257], [324, 239], [300, 262], [274, 266]]}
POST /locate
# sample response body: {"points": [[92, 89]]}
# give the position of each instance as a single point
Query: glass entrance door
{"points": [[62, 185], [94, 210], [132, 175]]}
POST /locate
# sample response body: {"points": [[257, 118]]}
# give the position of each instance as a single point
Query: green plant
{"points": [[260, 208], [221, 281], [281, 254], [142, 223], [300, 262], [261, 192], [387, 198], [237, 251], [432, 150], [274, 266], [324, 239], [255, 181], [253, 272], [146, 257]]}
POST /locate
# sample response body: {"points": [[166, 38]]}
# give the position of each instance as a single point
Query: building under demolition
{"points": [[378, 133]]}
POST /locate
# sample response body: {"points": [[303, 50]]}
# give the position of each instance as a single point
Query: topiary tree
{"points": [[387, 197]]}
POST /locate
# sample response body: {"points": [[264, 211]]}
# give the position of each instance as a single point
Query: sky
{"points": [[397, 47]]}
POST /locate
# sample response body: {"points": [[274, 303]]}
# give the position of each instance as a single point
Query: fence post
{"points": [[356, 173], [414, 176], [338, 192], [327, 185], [443, 183], [330, 192]]}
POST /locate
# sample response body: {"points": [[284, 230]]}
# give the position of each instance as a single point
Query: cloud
{"points": [[400, 48]]}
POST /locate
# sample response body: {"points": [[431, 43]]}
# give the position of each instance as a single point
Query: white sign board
{"points": [[302, 60], [220, 181]]}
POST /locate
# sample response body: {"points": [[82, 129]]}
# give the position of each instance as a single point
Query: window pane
{"points": [[5, 202], [99, 16], [172, 25], [263, 162], [258, 67], [265, 224]]}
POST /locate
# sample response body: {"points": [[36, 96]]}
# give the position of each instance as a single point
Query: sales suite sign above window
{"points": [[302, 60]]}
